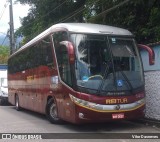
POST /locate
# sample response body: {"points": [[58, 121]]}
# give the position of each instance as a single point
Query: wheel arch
{"points": [[48, 98]]}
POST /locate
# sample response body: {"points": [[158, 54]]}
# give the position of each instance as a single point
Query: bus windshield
{"points": [[107, 64]]}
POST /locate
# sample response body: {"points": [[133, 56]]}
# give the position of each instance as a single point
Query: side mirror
{"points": [[150, 52], [70, 50]]}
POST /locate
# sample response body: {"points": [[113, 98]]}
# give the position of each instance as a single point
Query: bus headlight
{"points": [[142, 101], [83, 102], [108, 108]]}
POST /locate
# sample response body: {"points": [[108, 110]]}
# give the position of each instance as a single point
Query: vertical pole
{"points": [[12, 40]]}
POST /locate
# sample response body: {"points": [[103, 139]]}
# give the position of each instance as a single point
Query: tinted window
{"points": [[62, 56], [34, 56]]}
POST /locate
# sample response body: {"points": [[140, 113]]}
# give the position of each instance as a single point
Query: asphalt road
{"points": [[12, 121]]}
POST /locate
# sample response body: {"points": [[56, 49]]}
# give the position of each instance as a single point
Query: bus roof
{"points": [[91, 28], [80, 28]]}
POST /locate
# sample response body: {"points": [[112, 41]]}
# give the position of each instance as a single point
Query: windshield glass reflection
{"points": [[107, 63]]}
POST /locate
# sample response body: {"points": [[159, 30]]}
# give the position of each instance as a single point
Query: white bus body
{"points": [[3, 86]]}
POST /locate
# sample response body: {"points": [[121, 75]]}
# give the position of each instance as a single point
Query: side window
{"points": [[29, 57], [43, 52], [46, 52], [62, 56], [11, 62]]}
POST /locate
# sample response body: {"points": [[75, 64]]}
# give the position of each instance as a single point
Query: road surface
{"points": [[24, 121]]}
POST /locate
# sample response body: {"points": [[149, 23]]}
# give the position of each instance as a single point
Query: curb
{"points": [[154, 123]]}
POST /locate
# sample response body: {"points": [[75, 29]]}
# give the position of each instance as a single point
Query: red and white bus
{"points": [[79, 72]]}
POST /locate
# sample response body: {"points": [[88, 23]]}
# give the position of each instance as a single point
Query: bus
{"points": [[79, 73], [3, 85]]}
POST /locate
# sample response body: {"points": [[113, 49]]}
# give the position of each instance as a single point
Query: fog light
{"points": [[81, 115]]}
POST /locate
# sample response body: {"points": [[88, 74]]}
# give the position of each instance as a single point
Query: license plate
{"points": [[118, 116]]}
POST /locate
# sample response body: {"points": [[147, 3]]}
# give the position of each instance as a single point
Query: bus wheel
{"points": [[17, 103], [1, 103], [51, 112]]}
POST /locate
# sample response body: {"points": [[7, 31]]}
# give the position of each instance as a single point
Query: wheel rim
{"points": [[53, 111]]}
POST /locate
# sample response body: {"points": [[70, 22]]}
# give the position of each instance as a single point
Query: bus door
{"points": [[65, 108]]}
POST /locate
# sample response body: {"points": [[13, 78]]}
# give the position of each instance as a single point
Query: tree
{"points": [[4, 54], [141, 17], [44, 13]]}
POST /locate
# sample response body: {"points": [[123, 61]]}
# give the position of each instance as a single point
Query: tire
{"points": [[1, 102], [51, 112], [17, 103]]}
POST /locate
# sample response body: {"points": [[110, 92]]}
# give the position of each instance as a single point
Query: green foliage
{"points": [[4, 54], [44, 13], [141, 17]]}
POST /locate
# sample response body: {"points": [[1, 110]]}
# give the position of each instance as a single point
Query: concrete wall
{"points": [[152, 84]]}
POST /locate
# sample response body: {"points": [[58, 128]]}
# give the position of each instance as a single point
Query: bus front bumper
{"points": [[93, 112], [84, 115]]}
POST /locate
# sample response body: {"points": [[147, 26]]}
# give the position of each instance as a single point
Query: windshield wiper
{"points": [[126, 78], [104, 76]]}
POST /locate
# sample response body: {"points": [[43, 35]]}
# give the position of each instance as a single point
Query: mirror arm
{"points": [[150, 52], [70, 50]]}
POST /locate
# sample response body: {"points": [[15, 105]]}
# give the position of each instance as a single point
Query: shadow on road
{"points": [[107, 126], [27, 112], [116, 126]]}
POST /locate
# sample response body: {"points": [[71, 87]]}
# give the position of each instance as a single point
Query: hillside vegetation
{"points": [[4, 54]]}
